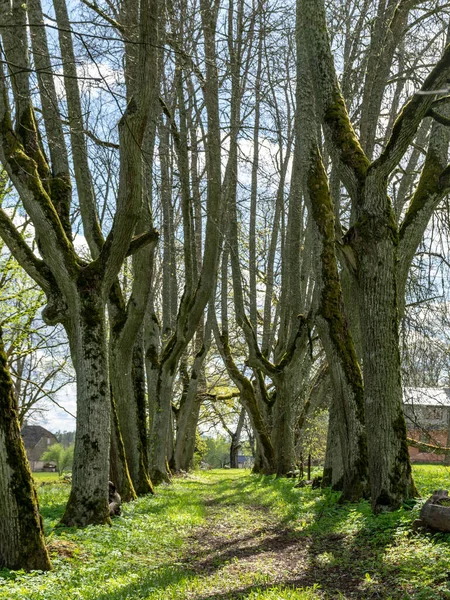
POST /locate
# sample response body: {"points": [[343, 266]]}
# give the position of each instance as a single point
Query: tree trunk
{"points": [[389, 467], [236, 441], [128, 399], [22, 544], [88, 501], [283, 435], [139, 384], [160, 428], [333, 471], [190, 406], [186, 427], [119, 473]]}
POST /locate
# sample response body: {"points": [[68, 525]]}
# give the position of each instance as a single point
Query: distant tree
{"points": [[63, 457], [65, 438], [218, 453], [201, 448]]}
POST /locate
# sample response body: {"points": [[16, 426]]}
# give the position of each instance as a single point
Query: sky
{"points": [[56, 419]]}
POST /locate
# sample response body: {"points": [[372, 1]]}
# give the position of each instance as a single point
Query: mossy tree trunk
{"points": [[376, 250], [333, 470], [22, 543], [283, 424], [160, 426], [126, 387], [88, 500], [119, 473], [189, 410], [371, 248]]}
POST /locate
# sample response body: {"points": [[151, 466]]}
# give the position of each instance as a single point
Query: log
{"points": [[435, 513]]}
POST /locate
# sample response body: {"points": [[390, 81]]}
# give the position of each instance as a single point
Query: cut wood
{"points": [[435, 513]]}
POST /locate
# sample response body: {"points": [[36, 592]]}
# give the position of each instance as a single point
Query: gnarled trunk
{"points": [[88, 501], [22, 544], [126, 383], [376, 248], [160, 427]]}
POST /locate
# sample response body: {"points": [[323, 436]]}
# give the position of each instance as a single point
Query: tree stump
{"points": [[435, 513]]}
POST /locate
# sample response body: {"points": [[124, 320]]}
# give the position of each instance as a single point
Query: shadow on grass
{"points": [[165, 576], [315, 540], [339, 561]]}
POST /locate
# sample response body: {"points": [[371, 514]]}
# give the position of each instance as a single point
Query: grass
{"points": [[229, 534], [40, 477]]}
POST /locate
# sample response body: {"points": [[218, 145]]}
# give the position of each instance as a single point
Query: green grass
{"points": [[229, 534], [40, 477]]}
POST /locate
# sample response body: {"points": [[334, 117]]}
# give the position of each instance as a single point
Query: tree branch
{"points": [[140, 241], [410, 117]]}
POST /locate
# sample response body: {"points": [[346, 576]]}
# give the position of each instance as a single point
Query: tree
{"points": [[63, 457], [21, 531], [218, 452], [379, 250], [164, 355], [77, 289]]}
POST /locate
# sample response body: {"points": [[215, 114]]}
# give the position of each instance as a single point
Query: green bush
{"points": [[63, 457]]}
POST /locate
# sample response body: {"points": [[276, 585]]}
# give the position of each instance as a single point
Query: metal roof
{"points": [[426, 396]]}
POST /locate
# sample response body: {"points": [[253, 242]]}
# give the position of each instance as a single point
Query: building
{"points": [[245, 462], [36, 440], [427, 414]]}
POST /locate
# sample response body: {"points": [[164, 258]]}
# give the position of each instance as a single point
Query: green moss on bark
{"points": [[331, 308], [344, 137], [429, 185], [119, 473], [32, 174], [144, 485], [31, 552], [61, 195]]}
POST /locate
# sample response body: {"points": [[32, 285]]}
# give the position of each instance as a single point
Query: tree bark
{"points": [[88, 500], [118, 466], [22, 544]]}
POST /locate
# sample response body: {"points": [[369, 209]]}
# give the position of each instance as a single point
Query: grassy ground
{"points": [[229, 534], [40, 477]]}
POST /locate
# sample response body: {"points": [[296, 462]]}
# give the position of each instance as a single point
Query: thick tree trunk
{"points": [[389, 467], [22, 544], [160, 427], [283, 432], [128, 399], [119, 473], [88, 501], [333, 470]]}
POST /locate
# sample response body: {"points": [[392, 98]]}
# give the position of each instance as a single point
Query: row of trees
{"points": [[234, 195]]}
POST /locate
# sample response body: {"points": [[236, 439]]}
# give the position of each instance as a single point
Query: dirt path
{"points": [[247, 547]]}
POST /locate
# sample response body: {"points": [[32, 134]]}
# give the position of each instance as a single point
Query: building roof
{"points": [[243, 459], [426, 396], [31, 434]]}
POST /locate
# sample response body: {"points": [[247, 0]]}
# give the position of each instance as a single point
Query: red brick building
{"points": [[427, 413]]}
